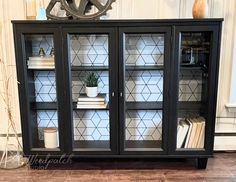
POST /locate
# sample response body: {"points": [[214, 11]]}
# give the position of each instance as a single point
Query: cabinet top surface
{"points": [[174, 21]]}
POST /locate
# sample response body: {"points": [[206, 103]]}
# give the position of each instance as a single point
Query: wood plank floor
{"points": [[221, 168]]}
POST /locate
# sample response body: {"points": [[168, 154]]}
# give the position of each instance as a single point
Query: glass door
{"points": [[93, 90], [196, 79], [39, 63], [145, 62]]}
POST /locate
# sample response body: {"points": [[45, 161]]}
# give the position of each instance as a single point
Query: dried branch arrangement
{"points": [[10, 158]]}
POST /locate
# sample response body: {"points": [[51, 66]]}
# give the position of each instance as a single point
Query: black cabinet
{"points": [[157, 78]]}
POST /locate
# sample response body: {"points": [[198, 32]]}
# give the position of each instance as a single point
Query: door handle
{"points": [[113, 94]]}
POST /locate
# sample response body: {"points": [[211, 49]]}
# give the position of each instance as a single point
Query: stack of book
{"points": [[191, 133], [85, 102], [37, 62]]}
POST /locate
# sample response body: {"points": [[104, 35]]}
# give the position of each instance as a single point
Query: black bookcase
{"points": [[155, 75]]}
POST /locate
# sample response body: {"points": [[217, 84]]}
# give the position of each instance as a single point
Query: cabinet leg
{"points": [[202, 163]]}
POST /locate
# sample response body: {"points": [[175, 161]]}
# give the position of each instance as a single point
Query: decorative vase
{"points": [[200, 9], [92, 91]]}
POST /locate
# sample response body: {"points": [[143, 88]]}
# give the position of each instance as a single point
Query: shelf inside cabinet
{"points": [[85, 145], [192, 67], [44, 105], [41, 147], [189, 105], [144, 105], [41, 69], [143, 68], [89, 68], [139, 145]]}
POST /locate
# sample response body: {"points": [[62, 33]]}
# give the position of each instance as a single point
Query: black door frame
{"points": [[211, 91], [23, 89], [166, 30], [113, 88]]}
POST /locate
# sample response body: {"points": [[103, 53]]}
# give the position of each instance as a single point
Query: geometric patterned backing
{"points": [[143, 125], [41, 41], [190, 85], [45, 86], [89, 50], [144, 49], [91, 125], [46, 119], [78, 85], [144, 85]]}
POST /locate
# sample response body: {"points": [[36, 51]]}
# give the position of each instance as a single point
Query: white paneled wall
{"points": [[141, 9]]}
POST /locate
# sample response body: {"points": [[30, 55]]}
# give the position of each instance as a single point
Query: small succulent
{"points": [[91, 80]]}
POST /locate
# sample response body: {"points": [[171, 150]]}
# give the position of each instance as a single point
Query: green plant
{"points": [[91, 80]]}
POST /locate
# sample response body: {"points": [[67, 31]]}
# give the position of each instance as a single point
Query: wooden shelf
{"points": [[144, 105], [183, 105], [90, 68], [142, 145], [41, 69], [143, 68], [189, 105], [88, 145], [44, 105]]}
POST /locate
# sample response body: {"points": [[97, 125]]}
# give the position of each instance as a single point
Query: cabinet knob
{"points": [[113, 94], [121, 94]]}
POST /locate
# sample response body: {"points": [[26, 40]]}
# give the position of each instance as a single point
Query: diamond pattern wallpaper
{"points": [[91, 125], [46, 119], [89, 50], [45, 86], [144, 86], [143, 125], [190, 85], [41, 41], [144, 49]]}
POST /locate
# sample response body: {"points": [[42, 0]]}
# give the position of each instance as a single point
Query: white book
{"points": [[41, 67], [40, 63], [85, 98], [39, 58], [90, 103], [182, 133], [91, 106]]}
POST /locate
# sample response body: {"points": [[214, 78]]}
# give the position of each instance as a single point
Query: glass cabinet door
{"points": [[144, 58], [192, 105], [39, 61], [93, 91]]}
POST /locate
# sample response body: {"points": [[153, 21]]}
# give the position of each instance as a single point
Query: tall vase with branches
{"points": [[12, 151]]}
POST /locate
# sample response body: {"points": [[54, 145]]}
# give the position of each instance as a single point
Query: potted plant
{"points": [[91, 83]]}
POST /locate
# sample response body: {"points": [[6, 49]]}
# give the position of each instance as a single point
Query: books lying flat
{"points": [[40, 67], [41, 59], [191, 133], [90, 106], [46, 62], [90, 103], [85, 98]]}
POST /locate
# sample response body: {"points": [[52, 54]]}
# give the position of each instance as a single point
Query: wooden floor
{"points": [[221, 168]]}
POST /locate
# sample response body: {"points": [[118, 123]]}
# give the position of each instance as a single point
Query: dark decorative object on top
{"points": [[41, 52], [79, 9]]}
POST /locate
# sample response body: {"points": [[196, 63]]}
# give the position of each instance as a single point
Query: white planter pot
{"points": [[92, 91]]}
